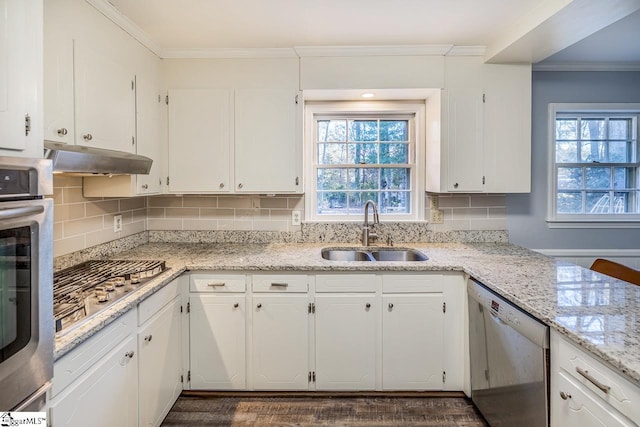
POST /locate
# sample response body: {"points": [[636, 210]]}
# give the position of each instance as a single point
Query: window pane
{"points": [[598, 203], [332, 203], [332, 130], [620, 151], [598, 177], [570, 178], [592, 129], [363, 179], [363, 154], [593, 151], [395, 179], [394, 130], [394, 153], [357, 201], [619, 129], [566, 129], [332, 179], [623, 178], [363, 130], [395, 202], [568, 203], [331, 154], [623, 203], [567, 152]]}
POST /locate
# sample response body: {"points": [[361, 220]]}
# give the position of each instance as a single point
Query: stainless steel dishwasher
{"points": [[509, 352]]}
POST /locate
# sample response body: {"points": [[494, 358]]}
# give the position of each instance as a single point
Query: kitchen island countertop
{"points": [[600, 314]]}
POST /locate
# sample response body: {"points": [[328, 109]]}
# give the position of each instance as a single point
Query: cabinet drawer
{"points": [[218, 283], [621, 393], [75, 363], [280, 283], [346, 283], [155, 302], [400, 283]]}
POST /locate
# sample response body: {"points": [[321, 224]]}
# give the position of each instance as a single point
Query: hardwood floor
{"points": [[255, 409]]}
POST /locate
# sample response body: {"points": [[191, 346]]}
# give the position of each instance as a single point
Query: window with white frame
{"points": [[359, 153], [595, 163]]}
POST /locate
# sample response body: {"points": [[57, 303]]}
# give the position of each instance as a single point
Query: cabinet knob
{"points": [[148, 338], [240, 185], [390, 306], [236, 305], [564, 395], [129, 354], [87, 137], [62, 131], [367, 306], [455, 185], [259, 306], [145, 186], [222, 185]]}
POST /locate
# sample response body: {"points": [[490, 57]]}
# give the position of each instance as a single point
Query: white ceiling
{"points": [[512, 30]]}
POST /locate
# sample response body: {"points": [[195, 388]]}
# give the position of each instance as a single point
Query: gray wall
{"points": [[526, 213]]}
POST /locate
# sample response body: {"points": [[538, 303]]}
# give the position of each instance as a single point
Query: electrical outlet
{"points": [[436, 216], [295, 217], [433, 202], [255, 202], [117, 223]]}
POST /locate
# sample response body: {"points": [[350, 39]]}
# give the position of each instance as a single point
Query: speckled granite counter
{"points": [[599, 313]]}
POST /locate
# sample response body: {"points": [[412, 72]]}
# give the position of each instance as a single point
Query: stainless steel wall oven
{"points": [[26, 283]]}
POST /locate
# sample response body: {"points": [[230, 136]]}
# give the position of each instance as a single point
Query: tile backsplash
{"points": [[469, 211]]}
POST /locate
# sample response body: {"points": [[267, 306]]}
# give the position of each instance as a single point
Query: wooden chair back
{"points": [[616, 270]]}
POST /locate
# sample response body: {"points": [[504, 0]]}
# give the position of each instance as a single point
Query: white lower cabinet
{"points": [[160, 371], [280, 342], [106, 395], [217, 341], [345, 327], [412, 341]]}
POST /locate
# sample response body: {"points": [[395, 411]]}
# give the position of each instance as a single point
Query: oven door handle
{"points": [[20, 212]]}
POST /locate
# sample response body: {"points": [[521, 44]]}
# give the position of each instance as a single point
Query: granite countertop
{"points": [[599, 313]]}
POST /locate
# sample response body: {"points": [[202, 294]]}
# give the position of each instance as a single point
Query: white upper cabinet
{"points": [[479, 131], [21, 118], [200, 141], [235, 125]]}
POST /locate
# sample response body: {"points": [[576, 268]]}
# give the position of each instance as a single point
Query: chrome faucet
{"points": [[366, 234]]}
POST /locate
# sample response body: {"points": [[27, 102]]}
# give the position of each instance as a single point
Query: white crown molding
{"points": [[113, 14], [227, 53], [587, 66], [467, 51], [391, 50]]}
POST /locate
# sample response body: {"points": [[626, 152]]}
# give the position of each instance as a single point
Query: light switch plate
{"points": [[295, 217], [117, 223], [436, 216]]}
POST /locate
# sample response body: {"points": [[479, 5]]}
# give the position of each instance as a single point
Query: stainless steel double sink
{"points": [[373, 254]]}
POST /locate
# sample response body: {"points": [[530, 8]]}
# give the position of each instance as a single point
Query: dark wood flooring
{"points": [[239, 410]]}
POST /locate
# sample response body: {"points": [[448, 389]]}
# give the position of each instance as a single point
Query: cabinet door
{"points": [[104, 100], [345, 342], [464, 139], [107, 395], [577, 407], [148, 131], [280, 342], [58, 81], [412, 361], [199, 141], [217, 337], [160, 370], [268, 141], [20, 76]]}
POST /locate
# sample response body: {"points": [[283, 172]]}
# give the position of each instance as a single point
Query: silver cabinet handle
{"points": [[564, 396], [148, 338], [129, 354], [367, 305], [240, 185], [87, 137], [259, 305], [390, 306], [595, 382], [62, 132], [216, 284], [280, 285], [455, 185], [236, 305], [222, 185], [145, 186]]}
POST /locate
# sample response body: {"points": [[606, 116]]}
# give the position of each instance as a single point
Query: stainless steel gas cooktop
{"points": [[81, 291]]}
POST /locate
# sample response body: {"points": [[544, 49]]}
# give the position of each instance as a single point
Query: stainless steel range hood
{"points": [[78, 159]]}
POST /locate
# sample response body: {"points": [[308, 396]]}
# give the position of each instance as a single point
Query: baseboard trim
{"points": [[601, 253], [324, 394]]}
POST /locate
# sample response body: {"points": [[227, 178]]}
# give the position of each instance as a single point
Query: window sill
{"points": [[593, 223]]}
